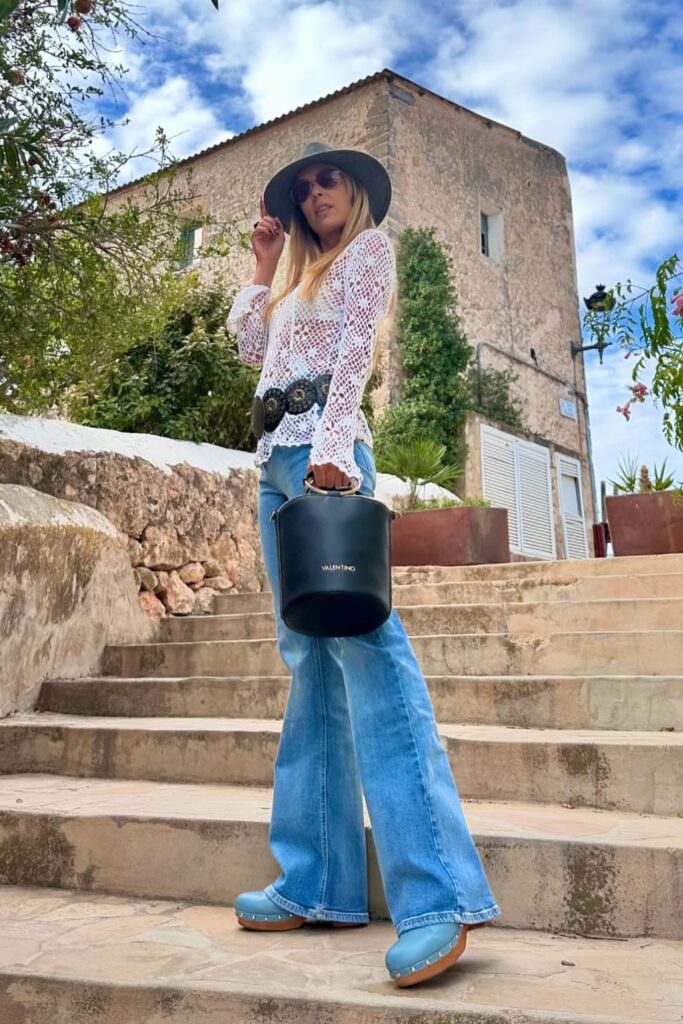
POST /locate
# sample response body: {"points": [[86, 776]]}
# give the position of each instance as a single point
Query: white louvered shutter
{"points": [[571, 507], [499, 476], [537, 530]]}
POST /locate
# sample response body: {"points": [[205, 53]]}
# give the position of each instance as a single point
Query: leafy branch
{"points": [[648, 323]]}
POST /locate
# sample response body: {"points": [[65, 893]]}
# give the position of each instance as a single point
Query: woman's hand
{"points": [[329, 476], [268, 238]]}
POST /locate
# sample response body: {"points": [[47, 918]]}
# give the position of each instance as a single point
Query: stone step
{"points": [[652, 652], [630, 771], [647, 703], [591, 588], [586, 872], [639, 565], [71, 956], [422, 620]]}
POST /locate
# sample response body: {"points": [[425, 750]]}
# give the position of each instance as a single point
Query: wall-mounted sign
{"points": [[568, 409]]}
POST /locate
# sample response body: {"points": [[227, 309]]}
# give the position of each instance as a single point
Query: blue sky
{"points": [[602, 82]]}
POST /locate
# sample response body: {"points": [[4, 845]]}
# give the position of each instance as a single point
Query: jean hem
{"points": [[448, 916], [315, 913]]}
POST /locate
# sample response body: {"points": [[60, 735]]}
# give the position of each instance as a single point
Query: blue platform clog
{"points": [[420, 953], [256, 910]]}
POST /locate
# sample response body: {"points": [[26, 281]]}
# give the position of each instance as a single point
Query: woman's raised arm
{"points": [[246, 316]]}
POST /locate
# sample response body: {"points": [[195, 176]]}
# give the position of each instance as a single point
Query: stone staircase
{"points": [[135, 806]]}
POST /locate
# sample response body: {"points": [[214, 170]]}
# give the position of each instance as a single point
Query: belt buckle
{"points": [[300, 396], [258, 417], [274, 405]]}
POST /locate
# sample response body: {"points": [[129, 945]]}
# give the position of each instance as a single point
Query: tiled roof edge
{"points": [[386, 73]]}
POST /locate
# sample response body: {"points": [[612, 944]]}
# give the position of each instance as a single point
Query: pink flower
{"points": [[678, 305], [625, 411], [639, 391]]}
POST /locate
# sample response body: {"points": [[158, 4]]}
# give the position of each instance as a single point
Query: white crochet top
{"points": [[335, 334]]}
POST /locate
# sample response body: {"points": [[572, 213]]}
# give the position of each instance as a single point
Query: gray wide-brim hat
{"points": [[365, 168]]}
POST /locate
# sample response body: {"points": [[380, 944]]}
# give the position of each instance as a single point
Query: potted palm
{"points": [[442, 531], [645, 513]]}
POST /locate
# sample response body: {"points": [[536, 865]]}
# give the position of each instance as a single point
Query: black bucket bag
{"points": [[334, 556]]}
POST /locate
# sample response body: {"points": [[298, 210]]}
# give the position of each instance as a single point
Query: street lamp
{"points": [[599, 346], [599, 302]]}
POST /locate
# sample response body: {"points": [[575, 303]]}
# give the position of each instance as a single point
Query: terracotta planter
{"points": [[458, 535], [645, 524]]}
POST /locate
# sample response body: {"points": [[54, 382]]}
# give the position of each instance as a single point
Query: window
{"points": [[490, 231], [571, 498], [516, 476], [485, 234], [571, 507], [190, 241]]}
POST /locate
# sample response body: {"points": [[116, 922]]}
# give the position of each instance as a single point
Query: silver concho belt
{"points": [[299, 396]]}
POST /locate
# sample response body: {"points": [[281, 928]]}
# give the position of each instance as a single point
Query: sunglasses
{"points": [[328, 177]]}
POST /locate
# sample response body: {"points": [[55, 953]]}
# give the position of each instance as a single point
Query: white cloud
{"points": [[176, 106], [621, 227], [598, 82], [317, 44], [634, 155], [539, 68], [202, 69]]}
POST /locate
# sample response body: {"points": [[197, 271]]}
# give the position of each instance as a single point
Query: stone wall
{"points": [[191, 533], [66, 590], [187, 513]]}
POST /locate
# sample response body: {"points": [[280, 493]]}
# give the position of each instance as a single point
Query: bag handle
{"points": [[351, 489]]}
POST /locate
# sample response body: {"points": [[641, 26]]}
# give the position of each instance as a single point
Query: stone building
{"points": [[502, 202]]}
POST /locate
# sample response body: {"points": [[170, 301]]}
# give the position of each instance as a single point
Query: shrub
{"points": [[184, 381]]}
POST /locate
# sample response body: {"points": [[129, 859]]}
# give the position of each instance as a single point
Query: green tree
{"points": [[434, 350], [442, 383], [81, 277]]}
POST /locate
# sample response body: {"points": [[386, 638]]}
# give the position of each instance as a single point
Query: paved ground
{"points": [[73, 937]]}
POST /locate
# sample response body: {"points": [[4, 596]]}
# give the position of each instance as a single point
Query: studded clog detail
{"points": [[420, 953], [263, 917], [428, 960]]}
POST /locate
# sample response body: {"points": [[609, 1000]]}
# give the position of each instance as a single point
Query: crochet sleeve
{"points": [[245, 320], [369, 280]]}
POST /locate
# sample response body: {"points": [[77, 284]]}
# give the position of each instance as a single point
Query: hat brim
{"points": [[365, 168]]}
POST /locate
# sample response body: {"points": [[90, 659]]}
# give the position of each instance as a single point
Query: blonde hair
{"points": [[307, 264]]}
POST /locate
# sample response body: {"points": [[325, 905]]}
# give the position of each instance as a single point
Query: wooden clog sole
{"points": [[438, 966], [293, 922]]}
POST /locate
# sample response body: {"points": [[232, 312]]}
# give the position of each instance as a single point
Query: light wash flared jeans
{"points": [[359, 720]]}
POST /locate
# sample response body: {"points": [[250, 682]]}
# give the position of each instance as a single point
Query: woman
{"points": [[359, 719]]}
